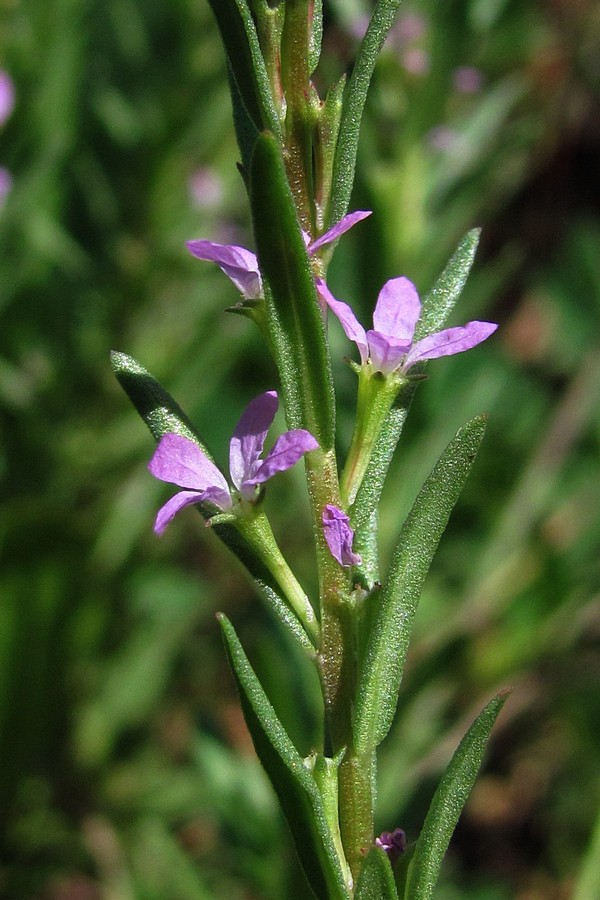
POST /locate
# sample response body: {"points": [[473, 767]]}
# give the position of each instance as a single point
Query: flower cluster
{"points": [[389, 347]]}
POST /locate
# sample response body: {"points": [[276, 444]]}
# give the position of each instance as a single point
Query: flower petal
{"points": [[339, 536], [449, 341], [397, 310], [285, 453], [180, 461], [348, 320], [386, 354], [340, 228], [249, 437], [172, 507], [239, 264]]}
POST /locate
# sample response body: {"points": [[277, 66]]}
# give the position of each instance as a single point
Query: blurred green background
{"points": [[125, 768]]}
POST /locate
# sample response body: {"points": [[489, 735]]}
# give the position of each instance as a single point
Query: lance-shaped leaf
{"points": [[354, 104], [385, 654], [437, 305], [448, 802], [376, 879], [294, 784], [163, 415], [246, 62], [294, 318]]}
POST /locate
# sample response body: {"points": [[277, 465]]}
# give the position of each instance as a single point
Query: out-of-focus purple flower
{"points": [[393, 842], [357, 26], [241, 265], [339, 536], [5, 184], [7, 96], [409, 27], [180, 461], [467, 79], [415, 60], [206, 188], [389, 346], [443, 138]]}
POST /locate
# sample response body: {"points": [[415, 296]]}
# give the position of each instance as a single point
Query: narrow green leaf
{"points": [[383, 661], [162, 414], [316, 36], [294, 317], [246, 62], [448, 802], [354, 104], [376, 879], [293, 782], [442, 298], [587, 883], [437, 305]]}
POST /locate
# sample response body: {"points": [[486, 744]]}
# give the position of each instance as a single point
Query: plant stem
{"points": [[337, 661], [376, 394], [298, 118]]}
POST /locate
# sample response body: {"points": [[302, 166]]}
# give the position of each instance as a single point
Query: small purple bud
{"points": [[339, 536], [392, 842]]}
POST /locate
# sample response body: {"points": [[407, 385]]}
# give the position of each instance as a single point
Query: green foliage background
{"points": [[125, 768]]}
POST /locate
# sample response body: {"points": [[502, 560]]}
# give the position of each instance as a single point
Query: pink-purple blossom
{"points": [[467, 79], [5, 184], [339, 536], [180, 461], [241, 265], [392, 842], [389, 345], [7, 96]]}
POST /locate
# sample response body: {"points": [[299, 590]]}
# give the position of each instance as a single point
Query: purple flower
{"points": [[339, 536], [7, 96], [392, 842], [389, 346], [467, 79], [5, 184], [206, 188], [443, 138], [180, 461], [241, 265], [409, 27], [416, 61]]}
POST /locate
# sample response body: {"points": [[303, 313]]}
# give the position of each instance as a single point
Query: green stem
{"points": [[299, 117], [376, 394], [338, 671], [356, 778]]}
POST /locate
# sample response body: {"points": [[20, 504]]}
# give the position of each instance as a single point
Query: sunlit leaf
{"points": [[448, 802], [293, 782], [383, 661]]}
